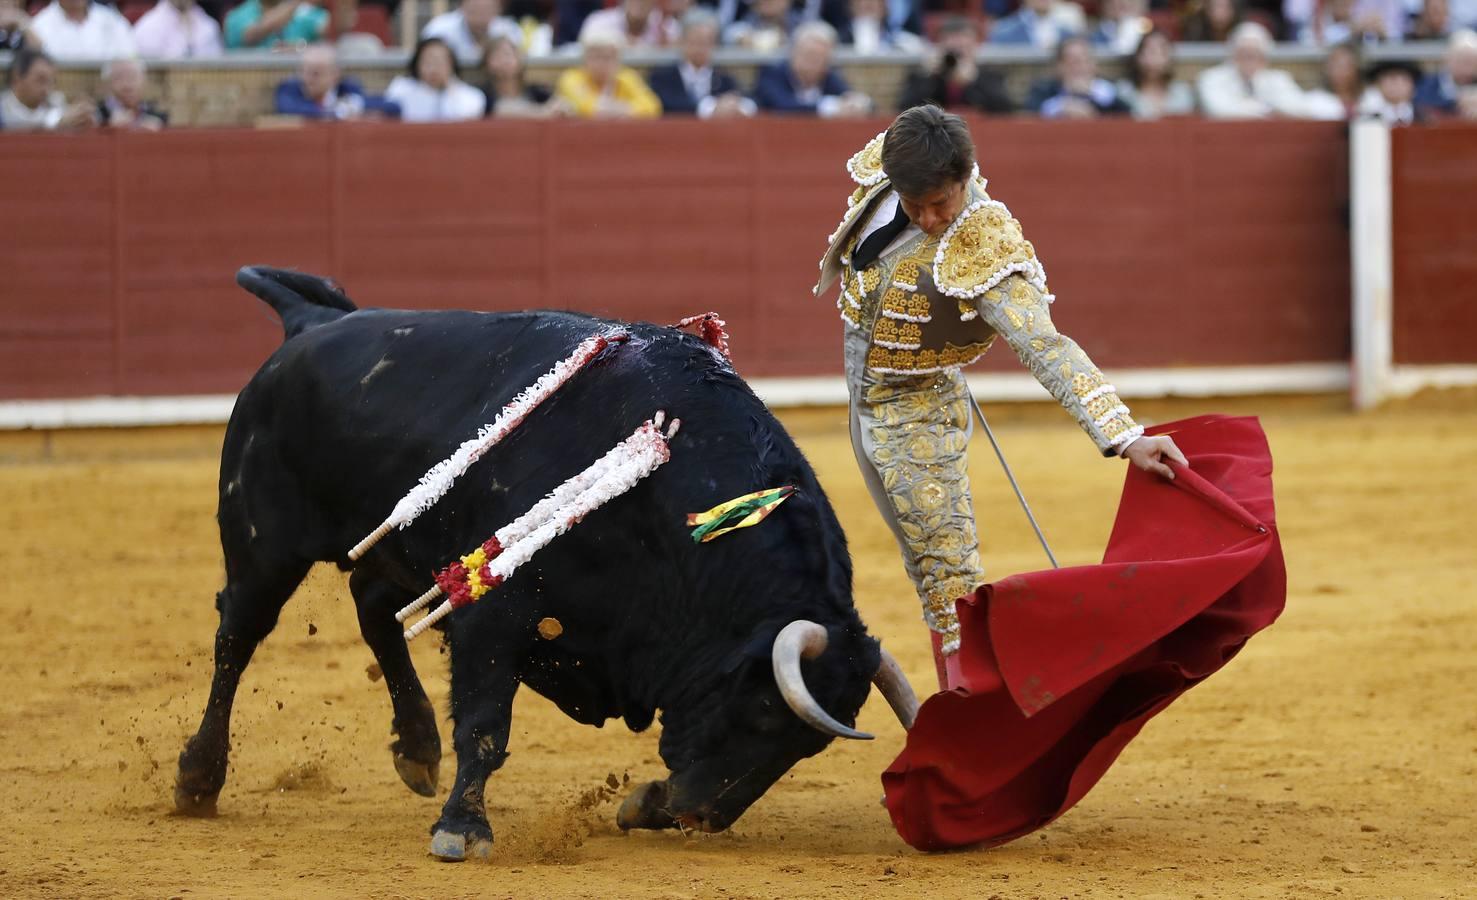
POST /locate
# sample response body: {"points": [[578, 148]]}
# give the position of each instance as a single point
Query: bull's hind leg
{"points": [[249, 605], [417, 747]]}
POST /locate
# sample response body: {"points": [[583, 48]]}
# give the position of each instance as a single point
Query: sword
{"points": [[980, 414]]}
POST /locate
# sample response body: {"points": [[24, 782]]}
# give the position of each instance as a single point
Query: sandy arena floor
{"points": [[1337, 756]]}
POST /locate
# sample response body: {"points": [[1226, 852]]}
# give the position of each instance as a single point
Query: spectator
{"points": [[432, 90], [1212, 21], [601, 88], [80, 29], [1432, 23], [1337, 21], [1244, 86], [124, 106], [693, 86], [15, 27], [177, 28], [32, 103], [257, 24], [805, 83], [871, 31], [1077, 92], [1039, 23], [766, 28], [1453, 90], [953, 79], [1151, 91], [508, 92], [569, 18], [320, 92], [1390, 96], [640, 23], [1121, 26], [1338, 99], [468, 28]]}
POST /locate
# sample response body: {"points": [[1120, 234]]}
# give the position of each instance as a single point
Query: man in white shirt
{"points": [[174, 29], [1244, 87], [642, 22], [81, 29], [32, 102], [467, 29]]}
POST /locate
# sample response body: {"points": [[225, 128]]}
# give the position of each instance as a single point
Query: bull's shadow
{"points": [[748, 646]]}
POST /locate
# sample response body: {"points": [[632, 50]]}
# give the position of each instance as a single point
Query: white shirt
{"points": [[451, 27], [166, 33], [104, 34], [1224, 94], [419, 102], [1373, 105]]}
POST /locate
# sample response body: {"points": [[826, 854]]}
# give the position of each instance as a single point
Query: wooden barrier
{"points": [[1434, 193], [1181, 243]]}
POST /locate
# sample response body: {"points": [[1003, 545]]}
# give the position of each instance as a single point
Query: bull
{"points": [[749, 646]]}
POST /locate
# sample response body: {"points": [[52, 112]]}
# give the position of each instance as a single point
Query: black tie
{"points": [[877, 241]]}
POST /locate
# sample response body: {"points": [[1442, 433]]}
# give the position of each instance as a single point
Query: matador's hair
{"points": [[927, 149]]}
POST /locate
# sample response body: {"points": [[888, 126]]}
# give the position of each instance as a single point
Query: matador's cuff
{"points": [[940, 617]]}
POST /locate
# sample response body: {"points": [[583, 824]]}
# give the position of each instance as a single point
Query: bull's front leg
{"points": [[484, 678]]}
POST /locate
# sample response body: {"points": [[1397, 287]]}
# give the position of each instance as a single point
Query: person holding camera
{"points": [[952, 80]]}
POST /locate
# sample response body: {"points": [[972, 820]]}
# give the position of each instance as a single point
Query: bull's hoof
{"points": [[418, 776], [200, 804], [449, 846], [646, 807]]}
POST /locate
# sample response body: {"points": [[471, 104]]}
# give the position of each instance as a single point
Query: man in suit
{"points": [[952, 79], [320, 93], [805, 84], [693, 86]]}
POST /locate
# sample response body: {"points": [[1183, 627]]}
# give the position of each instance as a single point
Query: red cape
{"points": [[1062, 668]]}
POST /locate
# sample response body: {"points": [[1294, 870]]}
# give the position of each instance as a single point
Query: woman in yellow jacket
{"points": [[602, 87]]}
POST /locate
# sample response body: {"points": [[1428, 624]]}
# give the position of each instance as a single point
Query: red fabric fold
{"points": [[1061, 668]]}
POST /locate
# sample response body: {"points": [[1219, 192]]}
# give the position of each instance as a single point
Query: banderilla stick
{"points": [[980, 414]]}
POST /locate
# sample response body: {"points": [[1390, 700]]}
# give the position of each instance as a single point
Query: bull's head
{"points": [[763, 720]]}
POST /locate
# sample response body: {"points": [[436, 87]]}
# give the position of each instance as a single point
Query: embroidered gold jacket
{"points": [[938, 303]]}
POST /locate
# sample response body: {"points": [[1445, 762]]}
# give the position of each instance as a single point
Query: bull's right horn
{"points": [[895, 689], [803, 639]]}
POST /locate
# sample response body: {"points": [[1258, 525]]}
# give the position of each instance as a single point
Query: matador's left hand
{"points": [[1148, 453]]}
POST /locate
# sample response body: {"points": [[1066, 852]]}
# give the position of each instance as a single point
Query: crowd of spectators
{"points": [[470, 62]]}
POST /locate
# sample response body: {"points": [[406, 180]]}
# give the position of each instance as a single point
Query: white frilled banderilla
{"points": [[514, 544], [435, 483]]}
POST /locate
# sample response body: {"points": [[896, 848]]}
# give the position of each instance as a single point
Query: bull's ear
{"points": [[756, 648]]}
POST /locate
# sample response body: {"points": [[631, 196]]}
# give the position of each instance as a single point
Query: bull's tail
{"points": [[303, 301]]}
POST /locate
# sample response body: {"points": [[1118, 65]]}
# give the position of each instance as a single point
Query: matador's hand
{"points": [[1148, 454]]}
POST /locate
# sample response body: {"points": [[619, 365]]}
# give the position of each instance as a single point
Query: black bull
{"points": [[749, 645]]}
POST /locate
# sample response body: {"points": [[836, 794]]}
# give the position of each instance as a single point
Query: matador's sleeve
{"points": [[1017, 310]]}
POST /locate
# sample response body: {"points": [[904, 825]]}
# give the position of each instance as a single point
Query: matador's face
{"points": [[935, 212]]}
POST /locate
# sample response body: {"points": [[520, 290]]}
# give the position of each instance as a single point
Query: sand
{"points": [[1336, 756]]}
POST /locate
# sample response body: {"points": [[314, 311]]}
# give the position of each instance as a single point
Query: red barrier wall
{"points": [[1434, 217], [1174, 243]]}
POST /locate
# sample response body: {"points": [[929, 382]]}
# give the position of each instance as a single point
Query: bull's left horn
{"points": [[803, 639]]}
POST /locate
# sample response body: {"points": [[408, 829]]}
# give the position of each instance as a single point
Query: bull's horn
{"points": [[803, 639], [895, 689]]}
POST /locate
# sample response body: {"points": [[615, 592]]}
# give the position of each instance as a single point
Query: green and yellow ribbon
{"points": [[740, 512]]}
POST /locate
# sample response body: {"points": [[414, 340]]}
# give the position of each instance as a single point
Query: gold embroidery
{"points": [[869, 278], [906, 272], [1083, 383], [894, 331], [866, 166], [1017, 321], [978, 248], [902, 303], [1101, 405]]}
